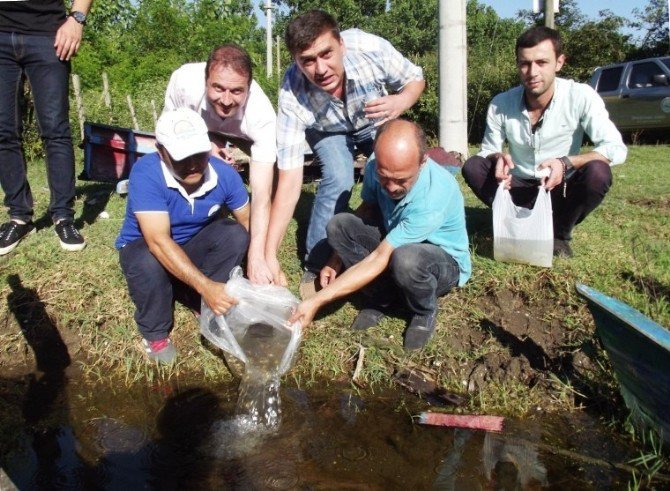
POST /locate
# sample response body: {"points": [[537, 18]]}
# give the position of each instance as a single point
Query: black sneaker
{"points": [[366, 319], [562, 248], [11, 234], [419, 331], [70, 238]]}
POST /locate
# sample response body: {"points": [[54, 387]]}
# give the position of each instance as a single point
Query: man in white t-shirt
{"points": [[235, 109]]}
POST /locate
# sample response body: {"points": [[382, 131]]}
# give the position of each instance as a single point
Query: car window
{"points": [[642, 75], [609, 79], [666, 62]]}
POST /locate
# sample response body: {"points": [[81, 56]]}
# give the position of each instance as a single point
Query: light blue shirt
{"points": [[432, 212], [575, 109], [371, 66]]}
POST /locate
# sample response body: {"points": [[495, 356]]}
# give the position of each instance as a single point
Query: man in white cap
{"points": [[175, 242]]}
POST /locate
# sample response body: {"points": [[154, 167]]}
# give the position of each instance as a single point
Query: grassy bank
{"points": [[516, 338]]}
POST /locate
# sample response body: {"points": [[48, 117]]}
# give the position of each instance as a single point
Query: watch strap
{"points": [[80, 17], [567, 163]]}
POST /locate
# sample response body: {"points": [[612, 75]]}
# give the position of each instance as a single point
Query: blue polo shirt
{"points": [[432, 212], [151, 188]]}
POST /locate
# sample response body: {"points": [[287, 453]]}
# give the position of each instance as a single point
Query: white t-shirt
{"points": [[256, 121]]}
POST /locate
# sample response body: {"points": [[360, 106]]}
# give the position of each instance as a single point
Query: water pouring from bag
{"points": [[256, 337]]}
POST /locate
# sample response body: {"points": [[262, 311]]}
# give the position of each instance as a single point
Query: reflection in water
{"points": [[512, 464], [137, 438]]}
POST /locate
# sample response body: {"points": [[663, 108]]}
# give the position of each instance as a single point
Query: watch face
{"points": [[79, 17]]}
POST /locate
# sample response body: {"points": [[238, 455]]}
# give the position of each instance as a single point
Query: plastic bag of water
{"points": [[255, 330], [522, 235]]}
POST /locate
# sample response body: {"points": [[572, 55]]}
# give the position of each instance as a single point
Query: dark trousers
{"points": [[586, 188], [422, 272], [35, 56], [215, 251]]}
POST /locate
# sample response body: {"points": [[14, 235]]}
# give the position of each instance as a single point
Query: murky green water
{"points": [[185, 436]]}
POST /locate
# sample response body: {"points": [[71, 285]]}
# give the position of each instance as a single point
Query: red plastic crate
{"points": [[110, 151]]}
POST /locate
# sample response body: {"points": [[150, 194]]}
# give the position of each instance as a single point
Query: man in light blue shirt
{"points": [[543, 122], [333, 96], [408, 238]]}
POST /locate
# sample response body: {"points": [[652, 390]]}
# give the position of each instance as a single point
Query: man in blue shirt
{"points": [[408, 237], [333, 96], [543, 122], [175, 243]]}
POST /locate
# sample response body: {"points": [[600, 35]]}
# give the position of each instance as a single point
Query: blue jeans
{"points": [[35, 56], [215, 251], [335, 154], [422, 272]]}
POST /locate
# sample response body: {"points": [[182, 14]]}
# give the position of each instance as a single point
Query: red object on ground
{"points": [[474, 422]]}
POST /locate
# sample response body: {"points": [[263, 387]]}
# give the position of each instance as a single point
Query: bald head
{"points": [[400, 148]]}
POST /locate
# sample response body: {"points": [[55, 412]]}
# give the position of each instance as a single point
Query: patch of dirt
{"points": [[659, 202], [522, 341]]}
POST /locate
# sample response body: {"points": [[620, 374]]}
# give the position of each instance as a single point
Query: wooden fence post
{"points": [[153, 107], [106, 96], [76, 84], [132, 112]]}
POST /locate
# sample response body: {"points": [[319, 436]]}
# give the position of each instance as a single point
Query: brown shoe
{"points": [[309, 285]]}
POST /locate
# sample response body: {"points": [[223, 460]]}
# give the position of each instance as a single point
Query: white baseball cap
{"points": [[183, 133]]}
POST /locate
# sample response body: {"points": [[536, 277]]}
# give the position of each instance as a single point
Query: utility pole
{"points": [[549, 13], [278, 57], [453, 76], [268, 38]]}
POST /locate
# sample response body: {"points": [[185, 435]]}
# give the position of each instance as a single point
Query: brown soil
{"points": [[522, 341], [660, 203]]}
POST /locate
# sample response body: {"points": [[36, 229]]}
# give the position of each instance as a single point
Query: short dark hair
{"points": [[535, 35], [419, 135], [230, 55], [303, 30]]}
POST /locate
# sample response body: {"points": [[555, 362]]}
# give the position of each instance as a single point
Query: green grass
{"points": [[623, 249]]}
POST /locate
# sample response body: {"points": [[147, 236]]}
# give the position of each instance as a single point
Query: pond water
{"points": [[182, 435]]}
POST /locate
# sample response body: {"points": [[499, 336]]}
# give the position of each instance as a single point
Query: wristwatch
{"points": [[78, 16], [566, 163]]}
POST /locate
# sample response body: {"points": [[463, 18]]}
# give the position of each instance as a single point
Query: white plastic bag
{"points": [[521, 235], [264, 306]]}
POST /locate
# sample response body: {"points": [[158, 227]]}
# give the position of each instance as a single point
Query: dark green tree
{"points": [[653, 22]]}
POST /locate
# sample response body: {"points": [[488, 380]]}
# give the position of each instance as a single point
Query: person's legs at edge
{"points": [[423, 272], [49, 80], [18, 198]]}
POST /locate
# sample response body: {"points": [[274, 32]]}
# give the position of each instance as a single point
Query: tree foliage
{"points": [[653, 22]]}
